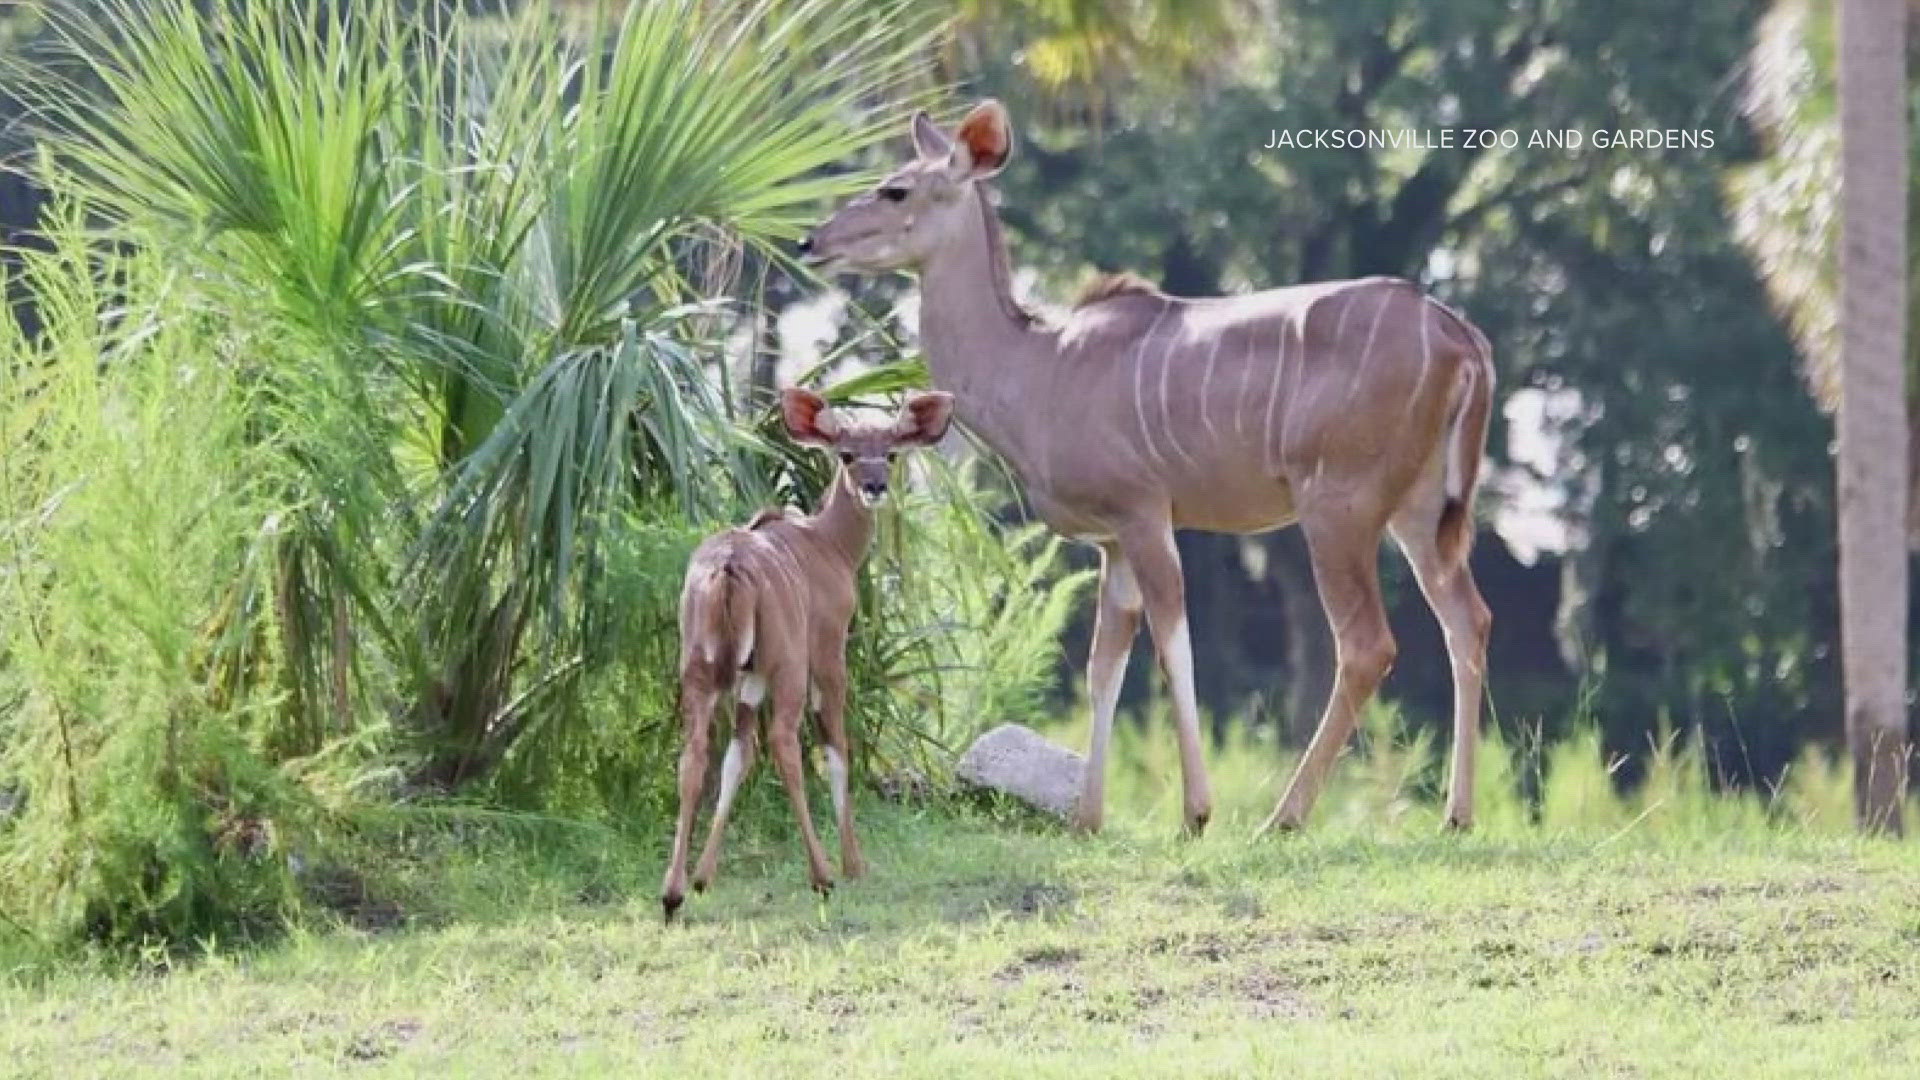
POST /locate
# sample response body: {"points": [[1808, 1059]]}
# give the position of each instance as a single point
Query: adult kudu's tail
{"points": [[1466, 442]]}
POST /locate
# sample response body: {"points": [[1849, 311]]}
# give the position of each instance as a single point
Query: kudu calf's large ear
{"points": [[808, 418], [928, 140], [923, 419], [983, 142]]}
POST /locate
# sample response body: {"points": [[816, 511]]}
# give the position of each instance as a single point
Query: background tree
{"points": [[1873, 400]]}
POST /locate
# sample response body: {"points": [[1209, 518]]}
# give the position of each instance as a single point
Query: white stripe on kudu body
{"points": [[1166, 411], [1366, 353], [1327, 445], [1140, 393], [1426, 361], [1206, 399], [1273, 450]]}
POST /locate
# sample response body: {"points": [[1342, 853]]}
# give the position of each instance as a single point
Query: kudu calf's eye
{"points": [[846, 457], [893, 194]]}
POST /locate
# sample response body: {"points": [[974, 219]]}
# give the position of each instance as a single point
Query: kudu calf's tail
{"points": [[722, 622], [1466, 442]]}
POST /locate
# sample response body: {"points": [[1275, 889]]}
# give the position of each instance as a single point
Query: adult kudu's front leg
{"points": [[1345, 556], [1150, 551], [1115, 623]]}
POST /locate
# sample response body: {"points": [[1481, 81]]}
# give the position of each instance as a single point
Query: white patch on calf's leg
{"points": [[732, 767], [752, 690], [837, 781]]}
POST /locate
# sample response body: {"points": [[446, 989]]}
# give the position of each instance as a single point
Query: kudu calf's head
{"points": [[866, 448], [922, 206]]}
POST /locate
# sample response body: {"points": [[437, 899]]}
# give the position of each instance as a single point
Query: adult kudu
{"points": [[1353, 407]]}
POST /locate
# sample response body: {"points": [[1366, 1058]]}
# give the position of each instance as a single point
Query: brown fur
{"points": [[774, 601], [1355, 408], [1108, 286]]}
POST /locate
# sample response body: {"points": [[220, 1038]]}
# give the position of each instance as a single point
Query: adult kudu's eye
{"points": [[846, 458], [890, 456], [893, 194]]}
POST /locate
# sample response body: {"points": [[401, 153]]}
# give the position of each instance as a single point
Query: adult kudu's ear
{"points": [[983, 142], [924, 419], [928, 140], [808, 418]]}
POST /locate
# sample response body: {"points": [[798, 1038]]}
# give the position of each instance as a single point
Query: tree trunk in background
{"points": [[1873, 422]]}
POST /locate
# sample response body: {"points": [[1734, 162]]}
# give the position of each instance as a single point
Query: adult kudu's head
{"points": [[920, 207]]}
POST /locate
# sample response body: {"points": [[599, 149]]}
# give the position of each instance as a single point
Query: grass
{"points": [[983, 944]]}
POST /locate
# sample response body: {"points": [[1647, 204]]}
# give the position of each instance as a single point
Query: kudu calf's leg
{"points": [[1115, 622], [1466, 622], [1156, 566], [832, 685], [783, 733], [734, 769], [697, 696], [1346, 571]]}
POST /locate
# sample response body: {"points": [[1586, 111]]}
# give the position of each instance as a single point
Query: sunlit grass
{"points": [[990, 945]]}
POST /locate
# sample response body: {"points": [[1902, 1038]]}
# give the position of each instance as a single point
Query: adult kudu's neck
{"points": [[980, 346]]}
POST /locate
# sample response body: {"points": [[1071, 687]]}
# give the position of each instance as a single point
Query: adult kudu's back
{"points": [[1353, 407]]}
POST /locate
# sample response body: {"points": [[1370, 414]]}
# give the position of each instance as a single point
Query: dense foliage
{"points": [[381, 383]]}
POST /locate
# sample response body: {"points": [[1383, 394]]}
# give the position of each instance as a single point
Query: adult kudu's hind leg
{"points": [[1345, 556], [1466, 622]]}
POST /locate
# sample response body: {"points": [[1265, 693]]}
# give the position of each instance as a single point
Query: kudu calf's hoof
{"points": [[670, 903], [1456, 823]]}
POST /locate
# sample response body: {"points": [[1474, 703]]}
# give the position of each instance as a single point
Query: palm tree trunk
{"points": [[1873, 422]]}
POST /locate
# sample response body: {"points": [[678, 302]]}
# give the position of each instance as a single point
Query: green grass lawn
{"points": [[983, 947]]}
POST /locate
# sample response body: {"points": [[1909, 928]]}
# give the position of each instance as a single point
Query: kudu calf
{"points": [[764, 617], [1356, 408]]}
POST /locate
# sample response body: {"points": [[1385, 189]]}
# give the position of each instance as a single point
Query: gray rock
{"points": [[1015, 760]]}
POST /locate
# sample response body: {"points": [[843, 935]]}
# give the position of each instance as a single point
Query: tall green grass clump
{"points": [[138, 513]]}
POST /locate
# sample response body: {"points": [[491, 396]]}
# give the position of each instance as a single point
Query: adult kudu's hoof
{"points": [[1278, 824], [670, 903]]}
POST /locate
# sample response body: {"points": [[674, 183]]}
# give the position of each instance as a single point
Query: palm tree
{"points": [[1847, 298], [469, 264], [1873, 464]]}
